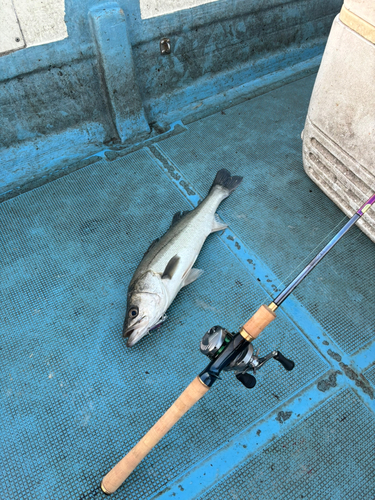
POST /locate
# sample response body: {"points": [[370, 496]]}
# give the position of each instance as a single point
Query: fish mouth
{"points": [[134, 336], [136, 331], [130, 329], [127, 333]]}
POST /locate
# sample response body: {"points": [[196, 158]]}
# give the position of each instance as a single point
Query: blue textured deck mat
{"points": [[279, 213], [303, 463], [370, 375], [75, 397]]}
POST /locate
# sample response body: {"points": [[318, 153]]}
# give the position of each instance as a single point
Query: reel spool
{"points": [[215, 341]]}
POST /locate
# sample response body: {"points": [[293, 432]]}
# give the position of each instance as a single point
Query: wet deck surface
{"points": [[76, 399]]}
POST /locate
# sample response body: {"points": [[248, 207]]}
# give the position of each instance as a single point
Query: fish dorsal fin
{"points": [[170, 268], [218, 224], [178, 216], [152, 245]]}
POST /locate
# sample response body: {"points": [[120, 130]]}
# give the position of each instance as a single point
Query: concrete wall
{"points": [[107, 82]]}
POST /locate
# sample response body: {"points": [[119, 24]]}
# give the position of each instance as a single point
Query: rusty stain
{"points": [[334, 355], [283, 416], [187, 188], [170, 169], [325, 384], [360, 381]]}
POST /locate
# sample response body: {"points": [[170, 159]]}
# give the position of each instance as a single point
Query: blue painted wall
{"points": [[108, 83]]}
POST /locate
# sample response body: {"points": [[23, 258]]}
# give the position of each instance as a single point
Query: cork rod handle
{"points": [[257, 323], [115, 477]]}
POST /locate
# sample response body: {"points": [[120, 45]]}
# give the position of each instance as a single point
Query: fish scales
{"points": [[168, 264]]}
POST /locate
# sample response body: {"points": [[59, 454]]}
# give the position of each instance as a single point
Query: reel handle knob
{"points": [[288, 364], [247, 380]]}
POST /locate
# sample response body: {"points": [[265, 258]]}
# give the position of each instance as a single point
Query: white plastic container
{"points": [[339, 133]]}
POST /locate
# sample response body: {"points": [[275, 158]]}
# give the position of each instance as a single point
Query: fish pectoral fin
{"points": [[192, 275], [170, 268], [218, 224]]}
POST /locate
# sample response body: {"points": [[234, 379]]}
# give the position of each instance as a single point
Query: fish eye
{"points": [[133, 312]]}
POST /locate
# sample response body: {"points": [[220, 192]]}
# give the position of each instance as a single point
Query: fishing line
{"points": [[227, 352], [300, 264]]}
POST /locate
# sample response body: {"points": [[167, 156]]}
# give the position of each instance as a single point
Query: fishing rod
{"points": [[226, 351]]}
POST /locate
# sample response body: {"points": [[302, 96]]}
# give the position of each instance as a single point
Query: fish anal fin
{"points": [[192, 275], [170, 268], [218, 224]]}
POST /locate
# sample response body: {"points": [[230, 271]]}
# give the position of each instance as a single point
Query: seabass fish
{"points": [[167, 266]]}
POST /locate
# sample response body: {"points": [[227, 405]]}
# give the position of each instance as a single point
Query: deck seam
{"points": [[246, 444], [296, 313]]}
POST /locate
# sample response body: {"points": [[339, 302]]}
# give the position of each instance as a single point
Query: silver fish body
{"points": [[167, 266]]}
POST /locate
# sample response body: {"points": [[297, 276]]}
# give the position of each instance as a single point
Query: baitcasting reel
{"points": [[216, 340]]}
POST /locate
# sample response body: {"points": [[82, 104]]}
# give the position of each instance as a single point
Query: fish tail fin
{"points": [[226, 181]]}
